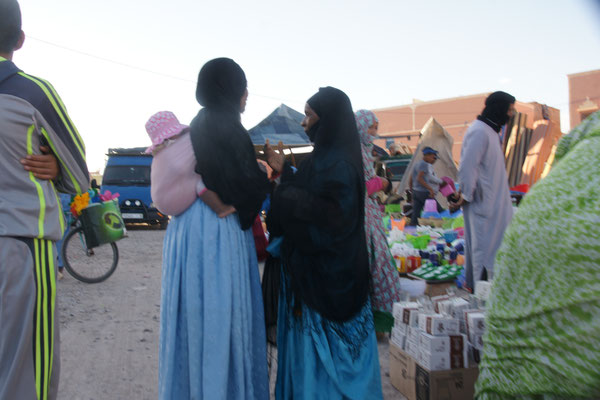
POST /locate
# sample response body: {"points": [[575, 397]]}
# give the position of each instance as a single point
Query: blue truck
{"points": [[127, 172]]}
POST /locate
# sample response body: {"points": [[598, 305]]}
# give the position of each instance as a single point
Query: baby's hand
{"points": [[227, 211]]}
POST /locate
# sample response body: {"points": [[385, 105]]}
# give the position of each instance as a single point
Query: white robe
{"points": [[484, 184]]}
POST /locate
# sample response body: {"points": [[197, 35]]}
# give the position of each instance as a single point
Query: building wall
{"points": [[584, 95], [455, 115]]}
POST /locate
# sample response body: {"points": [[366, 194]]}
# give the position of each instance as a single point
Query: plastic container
{"points": [[453, 255], [401, 264], [449, 188], [102, 223], [433, 257], [450, 236], [397, 223], [430, 206]]}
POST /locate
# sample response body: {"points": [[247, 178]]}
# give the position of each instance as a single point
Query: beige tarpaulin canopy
{"points": [[435, 136]]}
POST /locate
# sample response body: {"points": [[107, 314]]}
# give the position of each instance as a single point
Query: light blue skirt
{"points": [[212, 332], [314, 362]]}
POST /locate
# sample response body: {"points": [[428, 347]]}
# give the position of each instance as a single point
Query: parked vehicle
{"points": [[127, 172], [393, 168]]}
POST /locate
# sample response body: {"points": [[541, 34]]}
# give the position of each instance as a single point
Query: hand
{"points": [[43, 166], [385, 184], [227, 211], [274, 159], [457, 204]]}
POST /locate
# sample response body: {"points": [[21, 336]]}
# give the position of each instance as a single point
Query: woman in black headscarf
{"points": [[326, 340], [212, 340]]}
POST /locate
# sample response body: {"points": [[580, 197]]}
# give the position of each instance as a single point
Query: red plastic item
{"points": [[523, 188]]}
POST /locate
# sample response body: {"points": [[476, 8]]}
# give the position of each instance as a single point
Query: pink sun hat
{"points": [[162, 126]]}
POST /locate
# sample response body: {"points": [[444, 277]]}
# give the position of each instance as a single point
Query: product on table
{"points": [[439, 273], [439, 325]]}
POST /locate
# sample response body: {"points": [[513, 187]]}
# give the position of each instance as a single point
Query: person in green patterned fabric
{"points": [[543, 320]]}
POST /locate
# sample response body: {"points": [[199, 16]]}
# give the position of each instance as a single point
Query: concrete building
{"points": [[584, 95], [403, 123]]}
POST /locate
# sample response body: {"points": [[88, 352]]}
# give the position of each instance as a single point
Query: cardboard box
{"points": [[436, 289], [410, 317], [400, 326], [445, 307], [413, 334], [398, 337], [418, 383], [443, 352], [476, 341], [434, 344], [435, 361], [459, 305], [454, 384], [436, 300], [476, 323], [398, 308], [439, 325], [412, 348], [459, 352], [402, 372]]}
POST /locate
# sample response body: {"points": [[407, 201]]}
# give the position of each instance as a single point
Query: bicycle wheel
{"points": [[88, 265]]}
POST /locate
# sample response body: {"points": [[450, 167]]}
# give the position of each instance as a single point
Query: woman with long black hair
{"points": [[326, 339], [212, 339]]}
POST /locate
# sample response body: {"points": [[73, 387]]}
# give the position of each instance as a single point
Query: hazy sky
{"points": [[116, 62]]}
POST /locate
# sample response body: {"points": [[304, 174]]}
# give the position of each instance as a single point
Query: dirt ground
{"points": [[109, 330]]}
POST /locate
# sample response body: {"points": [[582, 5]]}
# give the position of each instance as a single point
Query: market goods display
{"points": [[434, 254]]}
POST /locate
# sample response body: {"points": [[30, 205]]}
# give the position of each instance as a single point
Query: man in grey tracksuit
{"points": [[32, 119]]}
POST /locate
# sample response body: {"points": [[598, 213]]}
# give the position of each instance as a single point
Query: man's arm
{"points": [[58, 132], [421, 180], [468, 172]]}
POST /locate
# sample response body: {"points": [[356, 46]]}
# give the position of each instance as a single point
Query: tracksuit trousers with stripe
{"points": [[29, 324]]}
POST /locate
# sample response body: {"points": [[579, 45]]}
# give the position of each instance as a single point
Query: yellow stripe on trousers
{"points": [[44, 316]]}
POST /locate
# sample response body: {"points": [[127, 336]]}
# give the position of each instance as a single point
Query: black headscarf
{"points": [[496, 108], [224, 153], [320, 213]]}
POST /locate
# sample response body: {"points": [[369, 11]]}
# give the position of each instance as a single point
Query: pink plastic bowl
{"points": [[448, 189]]}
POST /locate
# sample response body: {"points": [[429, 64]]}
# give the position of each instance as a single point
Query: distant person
{"points": [[175, 185], [65, 201], [543, 312], [424, 184], [386, 281], [394, 150], [378, 153], [94, 184], [33, 120], [484, 194], [212, 337], [326, 341]]}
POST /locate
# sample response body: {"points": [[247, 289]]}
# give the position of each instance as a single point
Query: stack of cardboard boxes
{"points": [[432, 348]]}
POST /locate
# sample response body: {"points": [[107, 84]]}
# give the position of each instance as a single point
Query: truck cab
{"points": [[393, 168], [127, 172]]}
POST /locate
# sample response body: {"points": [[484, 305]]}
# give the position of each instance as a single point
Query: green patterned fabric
{"points": [[543, 320]]}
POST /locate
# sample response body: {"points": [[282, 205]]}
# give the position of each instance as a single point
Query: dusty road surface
{"points": [[109, 330]]}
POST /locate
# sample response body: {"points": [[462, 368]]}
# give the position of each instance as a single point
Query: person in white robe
{"points": [[484, 193]]}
